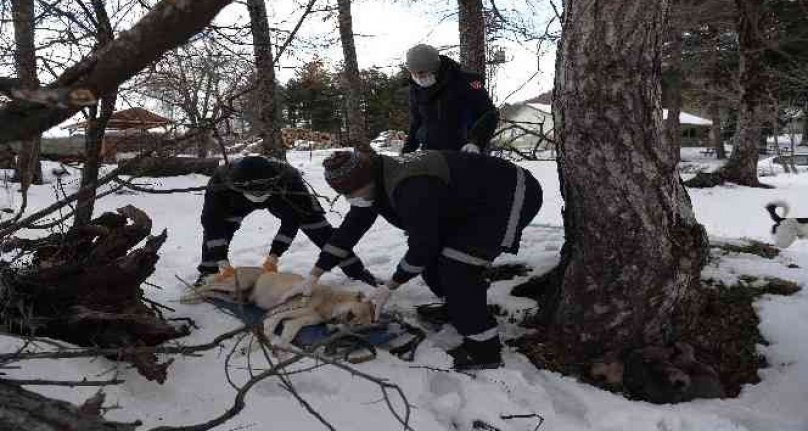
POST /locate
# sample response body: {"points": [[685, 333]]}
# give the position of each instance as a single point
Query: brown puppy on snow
{"points": [[266, 290]]}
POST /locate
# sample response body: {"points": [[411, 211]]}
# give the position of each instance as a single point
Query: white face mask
{"points": [[360, 202], [256, 198], [427, 81]]}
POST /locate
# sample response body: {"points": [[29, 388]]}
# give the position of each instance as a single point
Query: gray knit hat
{"points": [[423, 58]]}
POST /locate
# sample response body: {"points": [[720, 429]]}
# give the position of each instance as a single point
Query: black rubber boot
{"points": [[477, 355], [434, 314]]}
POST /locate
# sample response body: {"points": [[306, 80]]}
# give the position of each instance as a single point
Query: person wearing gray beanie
{"points": [[423, 59], [449, 107]]}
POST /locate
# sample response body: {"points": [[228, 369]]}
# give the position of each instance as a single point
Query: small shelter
{"points": [[129, 119], [128, 131]]}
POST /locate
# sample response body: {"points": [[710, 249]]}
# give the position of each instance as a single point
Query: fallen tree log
{"points": [[170, 166], [23, 410], [83, 286]]}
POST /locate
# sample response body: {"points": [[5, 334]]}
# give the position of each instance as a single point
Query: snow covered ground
{"points": [[197, 391]]}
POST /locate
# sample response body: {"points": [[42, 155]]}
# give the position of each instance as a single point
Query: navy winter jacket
{"points": [[290, 201], [463, 206], [453, 112]]}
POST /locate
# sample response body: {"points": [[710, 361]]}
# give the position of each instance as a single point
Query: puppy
{"points": [[325, 304], [786, 230]]}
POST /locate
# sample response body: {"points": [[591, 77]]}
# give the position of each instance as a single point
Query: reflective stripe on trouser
{"points": [[213, 243], [412, 269], [336, 251], [348, 262], [516, 209], [315, 225], [460, 256], [283, 238]]}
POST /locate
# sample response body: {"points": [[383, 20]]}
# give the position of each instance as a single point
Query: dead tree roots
{"points": [[83, 286]]}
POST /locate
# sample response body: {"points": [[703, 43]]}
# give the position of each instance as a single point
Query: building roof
{"points": [[685, 118], [545, 98], [132, 118], [543, 107]]}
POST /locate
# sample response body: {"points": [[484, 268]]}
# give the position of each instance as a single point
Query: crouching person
{"points": [[255, 183], [458, 219]]}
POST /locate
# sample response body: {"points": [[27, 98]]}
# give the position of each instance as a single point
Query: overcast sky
{"points": [[385, 29]]}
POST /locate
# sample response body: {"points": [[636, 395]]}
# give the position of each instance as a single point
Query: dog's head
{"points": [[358, 312]]}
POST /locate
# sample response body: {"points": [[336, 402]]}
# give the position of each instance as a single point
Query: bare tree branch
{"points": [[167, 25]]}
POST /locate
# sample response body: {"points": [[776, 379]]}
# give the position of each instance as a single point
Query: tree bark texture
{"points": [[23, 410], [267, 97], [471, 22], [672, 132], [634, 249], [714, 104], [96, 125], [741, 168], [714, 109], [157, 167], [28, 169], [351, 81], [169, 24]]}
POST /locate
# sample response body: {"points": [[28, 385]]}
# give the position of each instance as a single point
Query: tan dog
{"points": [[325, 304], [265, 289], [237, 289]]}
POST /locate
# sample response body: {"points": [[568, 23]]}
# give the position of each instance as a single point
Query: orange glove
{"points": [[225, 271], [270, 264]]}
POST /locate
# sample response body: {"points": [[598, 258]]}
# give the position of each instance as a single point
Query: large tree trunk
{"points": [[28, 170], [267, 90], [714, 103], [471, 23], [96, 125], [672, 130], [93, 142], [634, 249], [351, 81], [714, 109], [741, 168], [23, 410], [804, 136]]}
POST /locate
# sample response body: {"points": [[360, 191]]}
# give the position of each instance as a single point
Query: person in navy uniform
{"points": [[449, 107], [254, 183], [457, 219]]}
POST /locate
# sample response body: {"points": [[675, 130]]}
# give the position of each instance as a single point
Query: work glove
{"points": [[470, 148], [225, 272], [270, 263], [379, 297], [303, 288]]}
